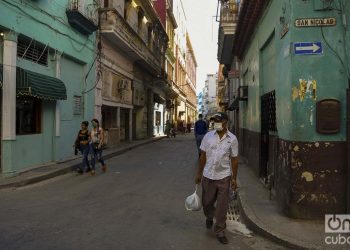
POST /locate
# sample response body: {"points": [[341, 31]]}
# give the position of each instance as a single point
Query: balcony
{"points": [[223, 102], [81, 17], [115, 28], [227, 29], [221, 83]]}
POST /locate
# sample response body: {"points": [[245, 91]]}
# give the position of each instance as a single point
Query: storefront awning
{"points": [[33, 84], [234, 105], [40, 86]]}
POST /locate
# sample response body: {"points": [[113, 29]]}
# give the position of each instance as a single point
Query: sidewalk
{"points": [[55, 169], [263, 216]]}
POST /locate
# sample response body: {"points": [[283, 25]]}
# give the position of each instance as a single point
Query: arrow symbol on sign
{"points": [[314, 48]]}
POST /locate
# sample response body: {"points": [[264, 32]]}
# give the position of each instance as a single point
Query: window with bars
{"points": [[268, 111], [77, 105], [32, 50]]}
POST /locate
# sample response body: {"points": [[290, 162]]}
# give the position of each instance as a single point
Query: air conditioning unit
{"points": [[123, 84]]}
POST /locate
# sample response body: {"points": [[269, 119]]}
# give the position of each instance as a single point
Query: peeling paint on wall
{"points": [[306, 88], [302, 89]]}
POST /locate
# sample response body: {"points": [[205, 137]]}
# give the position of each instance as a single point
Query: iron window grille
{"points": [[32, 50], [268, 105]]}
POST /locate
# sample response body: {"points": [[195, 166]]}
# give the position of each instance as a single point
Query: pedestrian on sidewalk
{"points": [[211, 124], [200, 129], [82, 144], [189, 126], [217, 171], [167, 128], [96, 144]]}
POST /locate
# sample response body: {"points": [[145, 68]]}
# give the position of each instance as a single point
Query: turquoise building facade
{"points": [[47, 73], [291, 101]]}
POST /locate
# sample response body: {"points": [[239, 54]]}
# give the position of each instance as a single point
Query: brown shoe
{"points": [[104, 168], [92, 172]]}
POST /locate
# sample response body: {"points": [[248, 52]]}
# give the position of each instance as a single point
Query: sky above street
{"points": [[203, 30]]}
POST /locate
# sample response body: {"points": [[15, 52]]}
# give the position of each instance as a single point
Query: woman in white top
{"points": [[96, 143]]}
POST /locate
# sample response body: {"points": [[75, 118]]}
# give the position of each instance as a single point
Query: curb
{"points": [[71, 166], [261, 229]]}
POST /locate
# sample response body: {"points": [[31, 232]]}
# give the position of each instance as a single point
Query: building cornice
{"points": [[249, 15]]}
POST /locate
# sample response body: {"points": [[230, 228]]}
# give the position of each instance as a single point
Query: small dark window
{"points": [[77, 105], [28, 115], [32, 50]]}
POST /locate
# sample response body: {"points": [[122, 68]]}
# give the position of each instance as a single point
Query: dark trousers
{"points": [[216, 191], [85, 149], [199, 139], [96, 155]]}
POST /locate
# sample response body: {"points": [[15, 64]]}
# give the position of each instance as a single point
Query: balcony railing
{"points": [[115, 28], [228, 16], [82, 17], [227, 30]]}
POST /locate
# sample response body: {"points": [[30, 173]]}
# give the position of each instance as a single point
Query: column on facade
{"points": [[8, 102], [57, 112], [118, 122], [9, 86]]}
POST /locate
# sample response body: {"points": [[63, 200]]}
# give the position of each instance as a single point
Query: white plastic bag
{"points": [[193, 202]]}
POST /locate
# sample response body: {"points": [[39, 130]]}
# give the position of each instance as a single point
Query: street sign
{"points": [[308, 48], [315, 22]]}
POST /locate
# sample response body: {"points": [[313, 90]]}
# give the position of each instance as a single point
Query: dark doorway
{"points": [[134, 125], [268, 127], [127, 125]]}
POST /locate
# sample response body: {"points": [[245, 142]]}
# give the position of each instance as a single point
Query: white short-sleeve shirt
{"points": [[219, 153]]}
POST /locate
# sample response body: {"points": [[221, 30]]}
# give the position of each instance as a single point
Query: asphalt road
{"points": [[137, 204]]}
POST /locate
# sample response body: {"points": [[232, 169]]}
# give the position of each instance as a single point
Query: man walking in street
{"points": [[217, 171], [200, 129]]}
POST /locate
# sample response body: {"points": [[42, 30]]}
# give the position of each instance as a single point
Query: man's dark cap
{"points": [[220, 116]]}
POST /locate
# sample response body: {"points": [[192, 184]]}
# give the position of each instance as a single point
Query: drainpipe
{"points": [[348, 148]]}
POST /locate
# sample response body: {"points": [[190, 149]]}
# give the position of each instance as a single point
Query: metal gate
{"points": [[268, 125]]}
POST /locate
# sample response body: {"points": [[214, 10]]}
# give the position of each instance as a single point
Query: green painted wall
{"points": [[70, 122], [46, 22], [325, 69], [266, 37], [296, 117]]}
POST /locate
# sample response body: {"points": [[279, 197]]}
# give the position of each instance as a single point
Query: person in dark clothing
{"points": [[82, 144], [200, 129]]}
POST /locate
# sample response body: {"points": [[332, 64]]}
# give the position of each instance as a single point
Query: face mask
{"points": [[218, 126], [94, 125]]}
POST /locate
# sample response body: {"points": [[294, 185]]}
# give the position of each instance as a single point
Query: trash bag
{"points": [[193, 202]]}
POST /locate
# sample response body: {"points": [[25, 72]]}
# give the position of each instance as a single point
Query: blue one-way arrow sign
{"points": [[308, 48]]}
